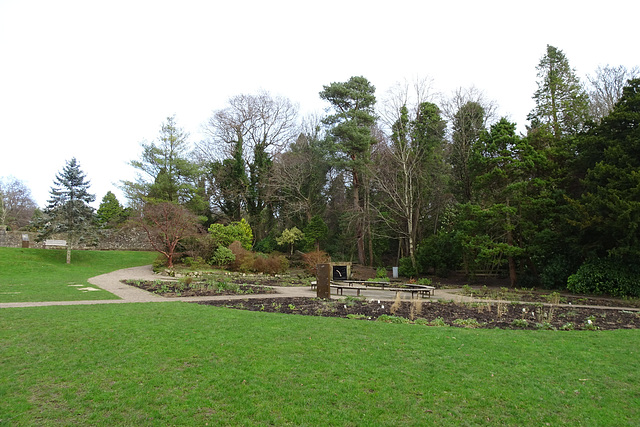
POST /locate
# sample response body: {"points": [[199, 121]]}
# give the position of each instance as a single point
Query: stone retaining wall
{"points": [[125, 240]]}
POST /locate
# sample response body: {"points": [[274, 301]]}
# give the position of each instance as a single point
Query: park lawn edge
{"points": [[158, 364], [39, 275]]}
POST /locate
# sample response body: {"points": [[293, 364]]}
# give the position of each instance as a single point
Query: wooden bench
{"points": [[357, 285], [54, 243]]}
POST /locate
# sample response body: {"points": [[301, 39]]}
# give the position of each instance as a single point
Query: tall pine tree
{"points": [[68, 209], [353, 103], [561, 102]]}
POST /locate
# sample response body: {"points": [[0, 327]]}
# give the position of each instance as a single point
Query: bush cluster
{"points": [[223, 257], [441, 253], [406, 268], [247, 261], [606, 276]]}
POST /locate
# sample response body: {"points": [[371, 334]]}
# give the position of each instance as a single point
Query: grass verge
{"points": [[28, 275], [187, 364]]}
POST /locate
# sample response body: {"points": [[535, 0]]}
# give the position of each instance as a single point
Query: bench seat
{"points": [[54, 243]]}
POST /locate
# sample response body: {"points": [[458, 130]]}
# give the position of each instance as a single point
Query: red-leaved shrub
{"points": [[311, 259], [247, 261]]}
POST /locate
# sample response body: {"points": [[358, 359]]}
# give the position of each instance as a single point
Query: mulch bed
{"points": [[480, 315], [521, 295], [176, 289]]}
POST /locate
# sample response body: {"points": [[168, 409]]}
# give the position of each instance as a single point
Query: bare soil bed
{"points": [[176, 289], [534, 295], [470, 315]]}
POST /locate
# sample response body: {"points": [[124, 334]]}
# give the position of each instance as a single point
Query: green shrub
{"points": [[187, 280], [356, 316], [193, 262], [406, 268], [197, 247], [467, 323], [520, 323], [392, 319], [266, 245], [568, 326], [555, 273], [438, 321], [381, 273], [159, 263], [441, 252], [222, 256], [607, 277], [425, 281], [225, 235]]}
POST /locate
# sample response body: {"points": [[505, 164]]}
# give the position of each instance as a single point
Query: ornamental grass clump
{"points": [[397, 303], [416, 307]]}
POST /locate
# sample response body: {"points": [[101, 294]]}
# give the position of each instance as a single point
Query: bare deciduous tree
{"points": [[408, 172], [253, 120], [468, 111], [16, 204], [242, 140], [299, 175], [605, 88], [404, 93], [461, 96], [166, 224]]}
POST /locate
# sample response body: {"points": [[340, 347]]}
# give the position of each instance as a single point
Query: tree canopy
{"points": [[432, 184], [68, 211]]}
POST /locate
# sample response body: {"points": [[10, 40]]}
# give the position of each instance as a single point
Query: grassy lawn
{"points": [[187, 364], [42, 275]]}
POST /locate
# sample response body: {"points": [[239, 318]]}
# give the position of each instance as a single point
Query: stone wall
{"points": [[125, 240]]}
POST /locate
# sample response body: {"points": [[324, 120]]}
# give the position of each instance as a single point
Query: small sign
{"points": [[25, 237]]}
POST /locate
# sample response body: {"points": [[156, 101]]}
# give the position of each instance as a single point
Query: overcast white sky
{"points": [[92, 79]]}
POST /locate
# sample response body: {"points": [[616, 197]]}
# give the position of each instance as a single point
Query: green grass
{"points": [[186, 364], [28, 275]]}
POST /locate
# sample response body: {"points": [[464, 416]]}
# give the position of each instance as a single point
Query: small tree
{"points": [[166, 224], [315, 231], [110, 211], [165, 171], [68, 210], [290, 237]]}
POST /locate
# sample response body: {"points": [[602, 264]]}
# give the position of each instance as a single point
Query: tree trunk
{"points": [[512, 262], [69, 236], [359, 219]]}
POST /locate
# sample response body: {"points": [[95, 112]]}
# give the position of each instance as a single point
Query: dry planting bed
{"points": [[174, 289], [470, 315]]}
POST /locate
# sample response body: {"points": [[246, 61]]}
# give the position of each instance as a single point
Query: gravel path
{"points": [[111, 282]]}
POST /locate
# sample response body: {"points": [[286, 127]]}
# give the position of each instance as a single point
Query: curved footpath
{"points": [[112, 282]]}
